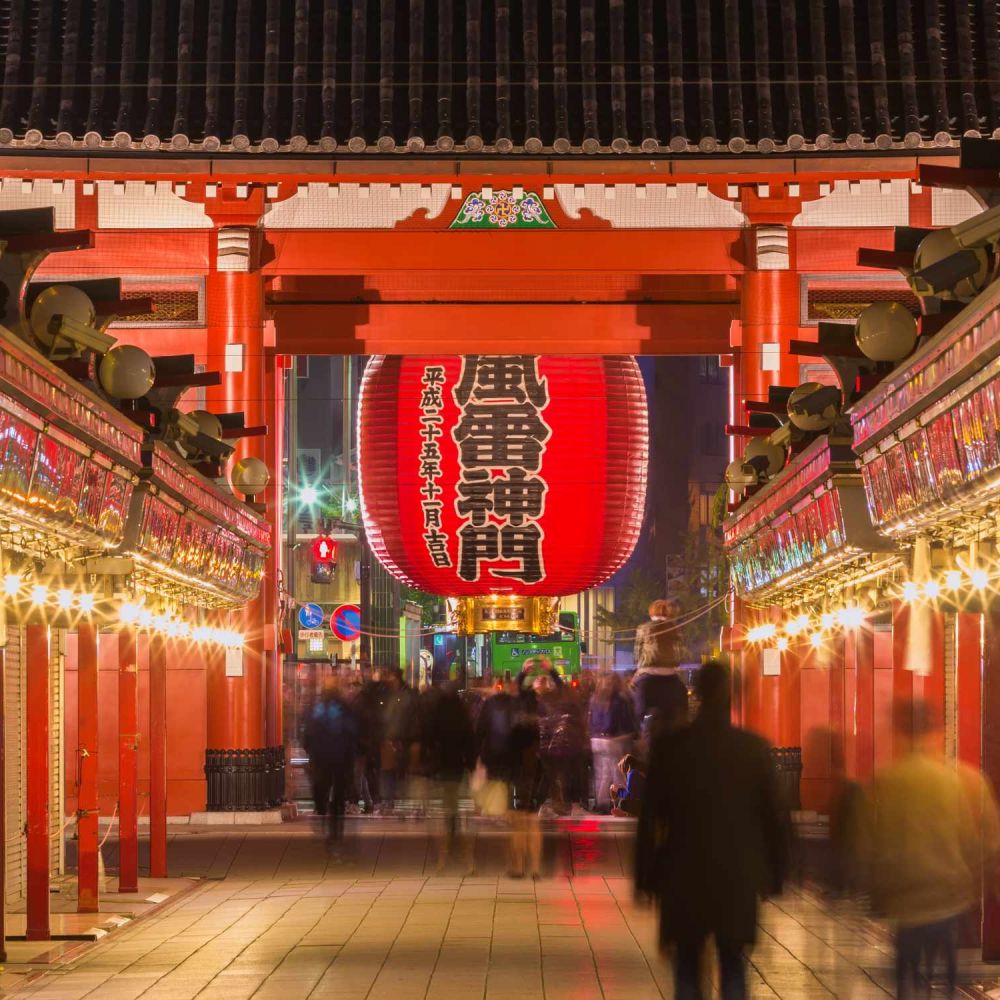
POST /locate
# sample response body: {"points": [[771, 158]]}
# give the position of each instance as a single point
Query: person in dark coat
{"points": [[451, 753], [712, 837], [331, 741], [493, 729]]}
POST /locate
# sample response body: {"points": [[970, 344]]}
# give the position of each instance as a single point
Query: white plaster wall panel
{"points": [[651, 206], [859, 204], [146, 205], [16, 192], [355, 206], [948, 208]]}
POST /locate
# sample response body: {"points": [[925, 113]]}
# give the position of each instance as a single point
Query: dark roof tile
{"points": [[524, 76]]}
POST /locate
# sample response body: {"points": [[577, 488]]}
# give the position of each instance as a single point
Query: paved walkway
{"points": [[276, 918]]}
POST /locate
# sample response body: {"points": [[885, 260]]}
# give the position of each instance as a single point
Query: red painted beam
{"points": [[370, 252], [539, 328], [88, 815], [157, 756], [38, 779], [128, 762]]}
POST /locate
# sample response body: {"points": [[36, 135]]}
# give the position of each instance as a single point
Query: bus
{"points": [[507, 652]]}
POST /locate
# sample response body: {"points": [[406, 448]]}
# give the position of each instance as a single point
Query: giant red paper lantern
{"points": [[492, 475]]}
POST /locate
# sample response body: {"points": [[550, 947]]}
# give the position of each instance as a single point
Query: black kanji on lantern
{"points": [[431, 403], [501, 437], [514, 497], [500, 377], [476, 544], [524, 545]]}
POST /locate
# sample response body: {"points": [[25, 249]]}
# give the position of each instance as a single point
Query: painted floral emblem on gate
{"points": [[503, 210]]}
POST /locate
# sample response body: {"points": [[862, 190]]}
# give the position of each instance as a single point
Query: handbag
{"points": [[493, 798]]}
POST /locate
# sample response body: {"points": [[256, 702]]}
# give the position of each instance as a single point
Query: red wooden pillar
{"points": [[88, 868], [864, 714], [39, 778], [157, 756], [274, 380], [128, 761], [969, 684], [902, 676], [770, 297], [235, 327], [991, 758], [790, 705]]}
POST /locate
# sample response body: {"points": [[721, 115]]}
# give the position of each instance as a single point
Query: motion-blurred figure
{"points": [[451, 752], [612, 726], [525, 847], [331, 741], [932, 832], [661, 699], [400, 737], [712, 837]]}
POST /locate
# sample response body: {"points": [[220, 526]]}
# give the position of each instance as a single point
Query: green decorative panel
{"points": [[503, 210]]}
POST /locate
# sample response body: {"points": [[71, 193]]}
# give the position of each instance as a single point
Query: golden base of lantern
{"points": [[504, 613]]}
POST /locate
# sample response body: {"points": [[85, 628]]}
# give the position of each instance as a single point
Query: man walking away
{"points": [[712, 838], [451, 752], [932, 833], [331, 741]]}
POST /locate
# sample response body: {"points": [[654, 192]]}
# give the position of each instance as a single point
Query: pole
{"points": [[38, 764], [88, 867], [128, 762], [157, 756]]}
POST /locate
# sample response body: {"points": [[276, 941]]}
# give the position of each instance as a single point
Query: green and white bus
{"points": [[507, 652]]}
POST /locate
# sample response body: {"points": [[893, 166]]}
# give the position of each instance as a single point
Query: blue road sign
{"points": [[311, 616]]}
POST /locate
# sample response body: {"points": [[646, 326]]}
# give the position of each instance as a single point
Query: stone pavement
{"points": [[275, 917]]}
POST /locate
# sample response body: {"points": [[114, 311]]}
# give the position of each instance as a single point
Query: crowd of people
{"points": [[535, 745], [713, 834]]}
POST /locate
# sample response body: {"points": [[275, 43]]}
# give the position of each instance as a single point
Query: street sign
{"points": [[346, 622], [324, 549], [311, 616], [315, 639]]}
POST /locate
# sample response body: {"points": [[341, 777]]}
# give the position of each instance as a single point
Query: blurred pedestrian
{"points": [[451, 752], [400, 738], [563, 746], [369, 706], [331, 741], [711, 838], [612, 727], [932, 835], [525, 845], [661, 698]]}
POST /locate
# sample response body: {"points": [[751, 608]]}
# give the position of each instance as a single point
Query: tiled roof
{"points": [[505, 76]]}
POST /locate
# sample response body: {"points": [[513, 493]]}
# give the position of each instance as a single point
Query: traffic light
{"points": [[322, 572], [324, 559]]}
